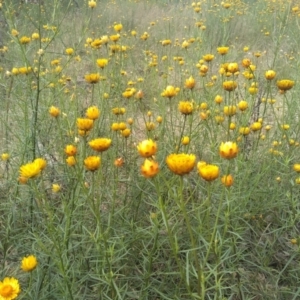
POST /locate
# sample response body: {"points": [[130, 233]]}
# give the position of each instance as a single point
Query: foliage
{"points": [[146, 153]]}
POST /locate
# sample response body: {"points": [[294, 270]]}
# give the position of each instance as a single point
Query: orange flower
{"points": [[208, 172], [227, 180], [181, 163], [85, 124], [119, 162], [70, 150], [285, 84], [92, 163], [100, 144], [149, 168]]}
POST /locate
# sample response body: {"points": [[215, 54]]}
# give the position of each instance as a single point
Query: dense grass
{"points": [[115, 233]]}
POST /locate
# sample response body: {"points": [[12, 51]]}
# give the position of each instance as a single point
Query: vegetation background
{"points": [[188, 76]]}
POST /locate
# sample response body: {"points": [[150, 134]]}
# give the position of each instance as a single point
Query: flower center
{"points": [[6, 291]]}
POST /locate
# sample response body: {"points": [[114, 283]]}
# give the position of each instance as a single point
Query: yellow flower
{"points": [[5, 156], [256, 126], [71, 161], [270, 74], [9, 288], [218, 99], [248, 75], [100, 144], [186, 107], [222, 50], [92, 113], [15, 71], [244, 130], [228, 150], [159, 119], [208, 57], [118, 27], [170, 91], [246, 62], [25, 70], [54, 111], [114, 38], [233, 67], [232, 126], [25, 40], [41, 163], [115, 126], [84, 124], [92, 78], [29, 263], [92, 163], [185, 140], [181, 163], [208, 172], [149, 168], [30, 170], [70, 150], [102, 62], [69, 51], [35, 36], [166, 42], [126, 132], [185, 44], [253, 90], [229, 85], [145, 36], [14, 32], [226, 5], [56, 188], [203, 70], [285, 84], [92, 3], [190, 83], [118, 111], [243, 105], [227, 180], [129, 92], [285, 126], [219, 119], [150, 126], [296, 168], [147, 148], [229, 110], [294, 241]]}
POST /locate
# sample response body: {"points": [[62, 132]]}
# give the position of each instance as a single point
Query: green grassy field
{"points": [[149, 150]]}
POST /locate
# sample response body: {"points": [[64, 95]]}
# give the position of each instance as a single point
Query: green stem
{"points": [[192, 239]]}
